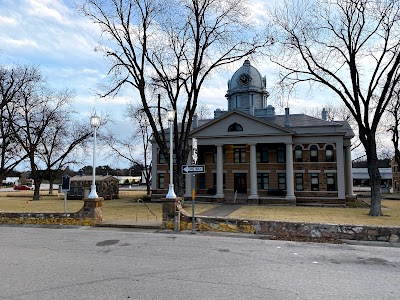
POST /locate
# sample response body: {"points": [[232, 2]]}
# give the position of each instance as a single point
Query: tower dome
{"points": [[247, 89]]}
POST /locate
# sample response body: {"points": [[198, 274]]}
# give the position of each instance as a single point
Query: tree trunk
{"points": [[36, 192], [51, 190], [375, 179]]}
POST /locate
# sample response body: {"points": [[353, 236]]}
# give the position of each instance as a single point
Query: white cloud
{"points": [[47, 9], [8, 21], [7, 41]]}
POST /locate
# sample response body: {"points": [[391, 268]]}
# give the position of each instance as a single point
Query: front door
{"points": [[240, 182]]}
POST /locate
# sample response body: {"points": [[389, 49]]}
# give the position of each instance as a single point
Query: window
{"points": [[262, 181], [330, 182], [282, 181], [314, 182], [235, 127], [313, 153], [202, 181], [281, 154], [161, 180], [329, 153], [299, 182], [161, 158], [239, 154], [262, 154], [298, 154]]}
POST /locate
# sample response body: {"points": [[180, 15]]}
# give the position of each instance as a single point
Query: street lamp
{"points": [[95, 122], [170, 117]]}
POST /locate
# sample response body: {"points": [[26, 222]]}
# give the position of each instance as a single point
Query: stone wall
{"points": [[292, 229], [46, 219], [90, 214]]}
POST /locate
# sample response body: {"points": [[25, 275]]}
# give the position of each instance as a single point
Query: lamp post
{"points": [[95, 122], [170, 117]]}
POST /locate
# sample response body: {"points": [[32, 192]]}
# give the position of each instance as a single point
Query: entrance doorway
{"points": [[240, 183]]}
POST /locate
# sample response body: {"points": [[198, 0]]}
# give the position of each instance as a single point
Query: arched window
{"points": [[329, 153], [313, 153], [298, 154], [235, 127]]}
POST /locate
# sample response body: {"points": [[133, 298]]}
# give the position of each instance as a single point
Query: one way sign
{"points": [[194, 169]]}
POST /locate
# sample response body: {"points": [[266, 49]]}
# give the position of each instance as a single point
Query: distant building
{"points": [[361, 176], [252, 155], [131, 179], [106, 187], [11, 180]]}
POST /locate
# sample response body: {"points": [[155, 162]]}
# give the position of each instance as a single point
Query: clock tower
{"points": [[247, 90]]}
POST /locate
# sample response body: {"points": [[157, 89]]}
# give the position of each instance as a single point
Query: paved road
{"points": [[102, 263], [43, 187]]}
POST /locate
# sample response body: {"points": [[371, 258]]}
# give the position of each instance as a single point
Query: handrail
{"points": [[148, 210]]}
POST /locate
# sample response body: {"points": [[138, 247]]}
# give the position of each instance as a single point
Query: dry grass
{"points": [[21, 201], [331, 215], [128, 209]]}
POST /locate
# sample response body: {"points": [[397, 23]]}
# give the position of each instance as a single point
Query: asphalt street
{"points": [[110, 263]]}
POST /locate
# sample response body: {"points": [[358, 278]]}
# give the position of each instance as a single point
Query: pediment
{"points": [[251, 126]]}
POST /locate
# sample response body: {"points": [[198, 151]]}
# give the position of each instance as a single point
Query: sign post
{"points": [[65, 187], [193, 169], [194, 157]]}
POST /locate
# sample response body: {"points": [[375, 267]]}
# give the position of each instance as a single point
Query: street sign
{"points": [[194, 150], [65, 183], [194, 169]]}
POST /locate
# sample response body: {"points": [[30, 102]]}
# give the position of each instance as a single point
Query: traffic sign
{"points": [[194, 150], [65, 183], [194, 169]]}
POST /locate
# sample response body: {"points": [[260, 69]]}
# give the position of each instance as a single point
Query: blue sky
{"points": [[53, 36]]}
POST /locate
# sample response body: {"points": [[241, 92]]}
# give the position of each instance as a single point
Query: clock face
{"points": [[244, 80]]}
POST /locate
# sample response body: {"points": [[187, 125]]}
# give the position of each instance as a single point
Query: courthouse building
{"points": [[252, 155]]}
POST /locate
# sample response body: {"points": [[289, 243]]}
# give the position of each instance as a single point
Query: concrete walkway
{"points": [[222, 210], [131, 224]]}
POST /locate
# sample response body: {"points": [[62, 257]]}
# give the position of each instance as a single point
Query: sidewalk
{"points": [[131, 224], [222, 210]]}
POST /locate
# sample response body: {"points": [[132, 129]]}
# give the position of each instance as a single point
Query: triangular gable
{"points": [[251, 126]]}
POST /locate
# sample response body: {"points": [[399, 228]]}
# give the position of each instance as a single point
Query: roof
{"points": [[296, 121], [265, 121], [362, 173]]}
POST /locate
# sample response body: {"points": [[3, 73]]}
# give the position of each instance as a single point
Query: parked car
{"points": [[22, 187]]}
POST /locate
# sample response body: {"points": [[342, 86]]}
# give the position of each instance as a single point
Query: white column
{"points": [[253, 173], [289, 173], [154, 161], [340, 169], [220, 172], [348, 170]]}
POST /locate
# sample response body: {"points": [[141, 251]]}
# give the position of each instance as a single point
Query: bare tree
{"points": [[350, 47], [13, 81], [394, 112], [37, 110], [128, 149], [203, 111], [170, 48], [59, 142]]}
